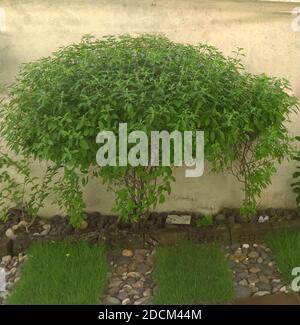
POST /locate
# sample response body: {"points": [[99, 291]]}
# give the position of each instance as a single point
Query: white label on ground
{"points": [[173, 219]]}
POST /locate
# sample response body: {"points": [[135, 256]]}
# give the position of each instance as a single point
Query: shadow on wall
{"points": [[7, 59]]}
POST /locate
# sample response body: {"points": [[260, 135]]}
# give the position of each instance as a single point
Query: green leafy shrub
{"points": [[58, 105], [263, 136], [206, 220], [20, 189]]}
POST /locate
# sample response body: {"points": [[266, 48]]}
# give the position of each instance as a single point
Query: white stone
{"points": [[6, 259], [45, 232], [2, 279], [126, 301], [10, 234], [141, 301], [261, 293], [111, 301], [174, 219], [13, 270], [147, 293], [261, 219], [283, 289], [46, 226], [127, 252], [246, 246]]}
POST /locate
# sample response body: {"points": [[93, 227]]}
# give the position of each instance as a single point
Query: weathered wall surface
{"points": [[263, 29]]}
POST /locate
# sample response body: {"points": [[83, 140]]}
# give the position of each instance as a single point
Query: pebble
{"points": [[111, 301], [147, 293], [10, 234], [127, 252], [243, 282], [12, 266], [242, 292], [254, 270], [6, 259], [126, 301], [253, 254], [261, 293], [130, 282], [141, 301]]}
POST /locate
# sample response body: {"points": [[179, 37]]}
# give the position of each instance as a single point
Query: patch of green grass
{"points": [[190, 273], [206, 220], [62, 273], [285, 248]]}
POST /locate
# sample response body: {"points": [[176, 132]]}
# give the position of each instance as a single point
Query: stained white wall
{"points": [[36, 28]]}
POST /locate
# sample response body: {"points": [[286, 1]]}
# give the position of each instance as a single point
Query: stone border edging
{"points": [[228, 235]]}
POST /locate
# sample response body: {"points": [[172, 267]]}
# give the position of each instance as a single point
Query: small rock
{"points": [[127, 253], [111, 301], [243, 282], [46, 226], [283, 289], [242, 292], [263, 286], [44, 232], [237, 256], [246, 246], [6, 259], [21, 224], [275, 289], [138, 284], [252, 279], [141, 301], [234, 247], [173, 219], [126, 301], [240, 276], [263, 279], [260, 260], [83, 225], [17, 279], [253, 254], [147, 293], [253, 288], [141, 251], [10, 234], [143, 268], [266, 270], [254, 269], [122, 295], [113, 291], [261, 293], [127, 287], [121, 270], [13, 270], [115, 282], [133, 275]]}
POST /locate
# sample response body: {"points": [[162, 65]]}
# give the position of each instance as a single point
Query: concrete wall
{"points": [[263, 29]]}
